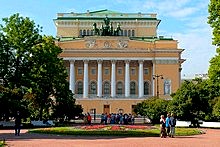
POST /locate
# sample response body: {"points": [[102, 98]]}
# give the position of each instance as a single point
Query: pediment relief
{"points": [[105, 44]]}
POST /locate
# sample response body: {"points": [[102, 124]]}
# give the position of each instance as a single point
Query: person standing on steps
{"points": [[17, 124]]}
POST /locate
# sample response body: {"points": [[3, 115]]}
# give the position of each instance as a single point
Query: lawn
{"points": [[114, 130]]}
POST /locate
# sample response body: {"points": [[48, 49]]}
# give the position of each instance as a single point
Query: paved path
{"points": [[210, 139]]}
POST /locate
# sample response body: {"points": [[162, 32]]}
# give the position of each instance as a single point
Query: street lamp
{"points": [[156, 77]]}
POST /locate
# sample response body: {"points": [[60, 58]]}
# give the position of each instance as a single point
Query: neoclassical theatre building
{"points": [[116, 60]]}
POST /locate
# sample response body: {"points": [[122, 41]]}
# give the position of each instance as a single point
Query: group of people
{"points": [[112, 118], [167, 125], [118, 118], [87, 119]]}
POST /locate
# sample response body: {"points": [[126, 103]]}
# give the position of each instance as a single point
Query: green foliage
{"points": [[214, 21], [216, 108], [17, 37], [152, 108], [34, 78], [190, 102]]}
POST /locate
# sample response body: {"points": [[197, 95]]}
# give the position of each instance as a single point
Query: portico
{"points": [[121, 77]]}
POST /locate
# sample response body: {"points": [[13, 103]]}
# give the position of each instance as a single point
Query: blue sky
{"points": [[184, 20]]}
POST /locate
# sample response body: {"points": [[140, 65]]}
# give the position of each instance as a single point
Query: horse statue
{"points": [[95, 29], [116, 31]]}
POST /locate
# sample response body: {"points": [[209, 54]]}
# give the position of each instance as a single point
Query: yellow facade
{"points": [[113, 73]]}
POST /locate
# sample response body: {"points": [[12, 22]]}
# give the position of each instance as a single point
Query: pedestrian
{"points": [[168, 124], [85, 118], [102, 118], [89, 119], [17, 124], [162, 127], [172, 125]]}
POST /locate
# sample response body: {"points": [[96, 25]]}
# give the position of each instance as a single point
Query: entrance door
{"points": [[106, 109]]}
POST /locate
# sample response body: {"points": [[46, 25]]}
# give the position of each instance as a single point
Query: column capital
{"points": [[113, 61], [127, 61], [72, 61], [140, 61], [99, 60], [86, 61]]}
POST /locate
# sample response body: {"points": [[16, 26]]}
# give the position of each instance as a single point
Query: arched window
{"points": [[93, 89], [129, 33], [125, 33], [167, 86], [88, 32], [80, 87], [121, 33], [84, 32], [106, 88], [132, 88], [146, 88], [132, 34], [80, 32], [119, 88]]}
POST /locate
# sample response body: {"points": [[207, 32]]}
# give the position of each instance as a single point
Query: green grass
{"points": [[128, 133]]}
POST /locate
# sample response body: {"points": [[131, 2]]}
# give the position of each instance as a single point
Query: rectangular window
{"points": [[93, 71], [133, 71], [106, 71], [80, 71], [146, 71], [120, 71]]}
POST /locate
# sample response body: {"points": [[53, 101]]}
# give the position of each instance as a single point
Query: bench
{"points": [[183, 123], [41, 123], [7, 123]]}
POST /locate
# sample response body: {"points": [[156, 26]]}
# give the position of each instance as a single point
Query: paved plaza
{"points": [[210, 139]]}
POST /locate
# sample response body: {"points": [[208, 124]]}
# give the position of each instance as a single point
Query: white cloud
{"points": [[198, 51], [183, 12]]}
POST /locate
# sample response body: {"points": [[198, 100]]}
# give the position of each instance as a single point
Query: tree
{"points": [[152, 108], [30, 66], [216, 108], [214, 70], [190, 102], [214, 21], [17, 36]]}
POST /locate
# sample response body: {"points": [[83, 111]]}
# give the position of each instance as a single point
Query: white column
{"points": [[85, 79], [153, 81], [113, 84], [99, 86], [141, 80], [127, 79], [72, 76]]}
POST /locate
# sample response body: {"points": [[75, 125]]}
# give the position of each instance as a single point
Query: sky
{"points": [[183, 20]]}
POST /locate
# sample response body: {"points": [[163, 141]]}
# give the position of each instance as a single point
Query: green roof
{"points": [[100, 14], [105, 11], [145, 39]]}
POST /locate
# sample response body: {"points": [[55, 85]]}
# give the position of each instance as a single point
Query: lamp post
{"points": [[156, 77]]}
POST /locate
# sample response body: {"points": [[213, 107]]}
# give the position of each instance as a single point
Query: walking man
{"points": [[172, 125], [168, 124], [17, 124]]}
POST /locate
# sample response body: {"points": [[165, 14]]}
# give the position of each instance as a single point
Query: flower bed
{"points": [[113, 130], [115, 127]]}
